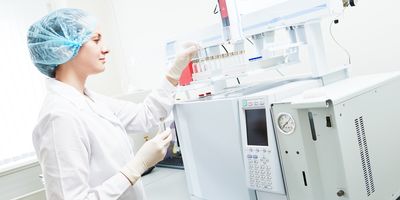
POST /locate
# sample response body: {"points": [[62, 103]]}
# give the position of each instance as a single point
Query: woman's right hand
{"points": [[152, 152], [189, 49]]}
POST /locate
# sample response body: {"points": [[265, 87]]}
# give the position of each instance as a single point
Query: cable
{"points": [[215, 9], [224, 48], [237, 78], [334, 39], [250, 41]]}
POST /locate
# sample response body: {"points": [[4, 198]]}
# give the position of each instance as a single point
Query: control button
{"points": [[269, 187], [256, 103], [261, 103], [249, 156], [255, 156]]}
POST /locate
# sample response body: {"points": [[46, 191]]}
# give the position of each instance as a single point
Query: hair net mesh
{"points": [[57, 38]]}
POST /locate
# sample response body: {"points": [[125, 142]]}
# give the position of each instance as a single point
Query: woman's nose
{"points": [[105, 50]]}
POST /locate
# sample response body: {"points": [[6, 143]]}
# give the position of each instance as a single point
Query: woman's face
{"points": [[92, 55]]}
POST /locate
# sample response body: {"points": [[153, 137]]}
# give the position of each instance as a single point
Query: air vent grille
{"points": [[364, 155]]}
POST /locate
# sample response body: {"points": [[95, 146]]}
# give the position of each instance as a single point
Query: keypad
{"points": [[259, 168]]}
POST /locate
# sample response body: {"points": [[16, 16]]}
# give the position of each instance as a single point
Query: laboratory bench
{"points": [[166, 184], [23, 183]]}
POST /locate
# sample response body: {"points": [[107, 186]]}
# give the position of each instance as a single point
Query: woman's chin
{"points": [[99, 70]]}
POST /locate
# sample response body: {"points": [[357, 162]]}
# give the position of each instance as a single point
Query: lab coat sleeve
{"points": [[146, 116], [63, 151]]}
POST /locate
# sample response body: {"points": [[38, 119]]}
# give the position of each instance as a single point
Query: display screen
{"points": [[256, 126]]}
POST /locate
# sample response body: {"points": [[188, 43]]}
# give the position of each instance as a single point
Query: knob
{"points": [[340, 193]]}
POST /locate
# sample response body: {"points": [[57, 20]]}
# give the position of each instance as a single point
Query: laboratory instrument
{"points": [[258, 59], [344, 142], [210, 135], [259, 148]]}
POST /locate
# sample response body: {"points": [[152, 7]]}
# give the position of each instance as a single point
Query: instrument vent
{"points": [[364, 154]]}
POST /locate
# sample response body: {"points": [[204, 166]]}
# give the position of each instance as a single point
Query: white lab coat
{"points": [[81, 144]]}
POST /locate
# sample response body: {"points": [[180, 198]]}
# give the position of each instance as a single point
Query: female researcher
{"points": [[80, 139]]}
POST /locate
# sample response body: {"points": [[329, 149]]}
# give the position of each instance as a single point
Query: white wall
{"points": [[145, 26], [22, 91], [370, 31], [21, 84]]}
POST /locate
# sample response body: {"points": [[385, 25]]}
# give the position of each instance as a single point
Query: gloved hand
{"points": [[182, 60], [152, 152]]}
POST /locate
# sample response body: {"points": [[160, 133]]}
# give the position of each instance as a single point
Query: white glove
{"points": [[152, 152], [182, 60]]}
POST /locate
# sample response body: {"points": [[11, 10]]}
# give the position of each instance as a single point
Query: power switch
{"points": [[328, 121]]}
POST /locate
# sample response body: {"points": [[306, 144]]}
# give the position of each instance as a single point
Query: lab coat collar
{"points": [[66, 91], [100, 107], [79, 100]]}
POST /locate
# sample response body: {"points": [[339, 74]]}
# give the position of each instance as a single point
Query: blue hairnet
{"points": [[57, 38]]}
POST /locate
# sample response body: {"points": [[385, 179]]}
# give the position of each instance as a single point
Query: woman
{"points": [[81, 140]]}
